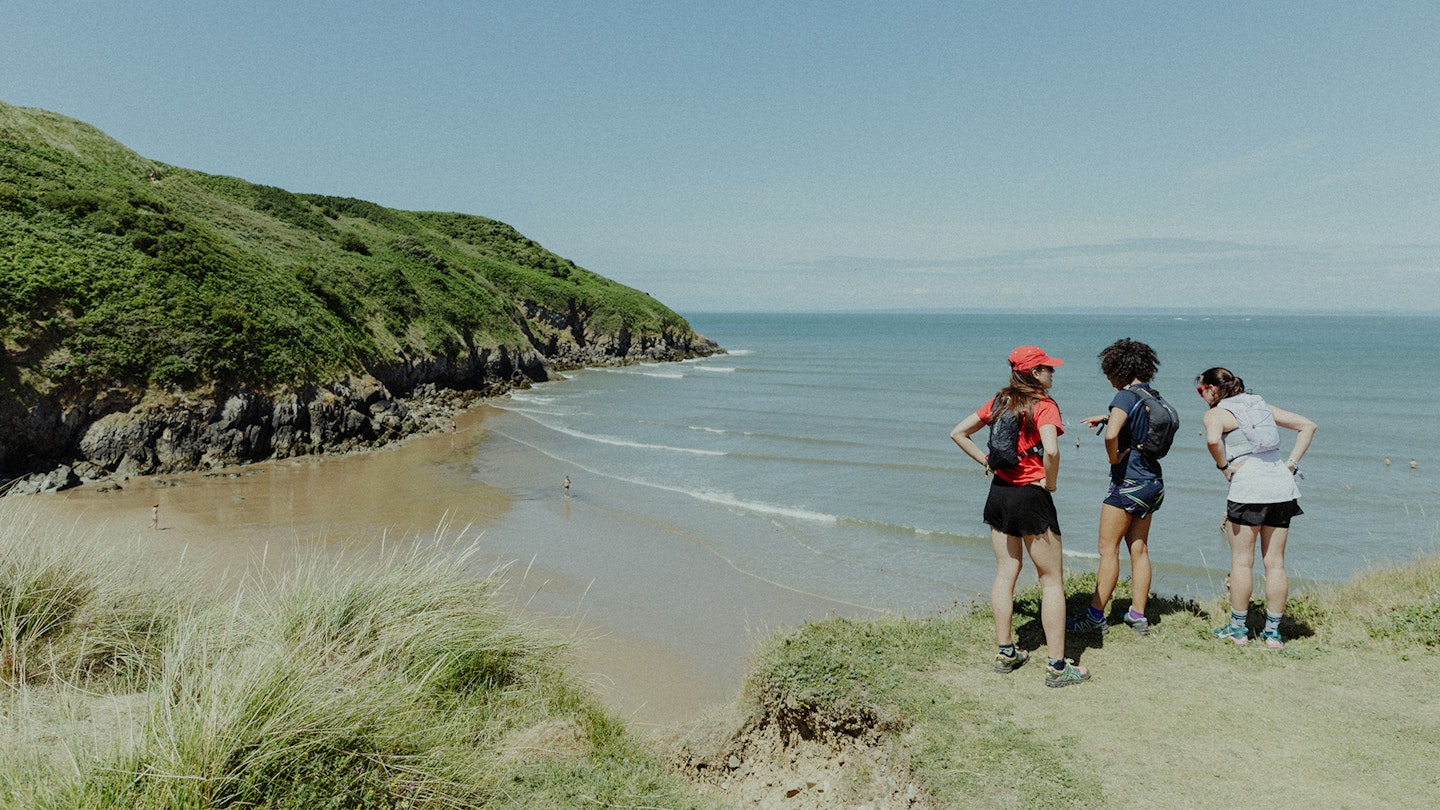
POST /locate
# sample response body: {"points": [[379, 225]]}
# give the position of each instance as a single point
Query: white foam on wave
{"points": [[720, 498], [704, 429], [726, 499], [639, 371], [531, 411], [618, 442], [717, 369]]}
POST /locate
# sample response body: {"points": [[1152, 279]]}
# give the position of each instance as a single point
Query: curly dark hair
{"points": [[1127, 360]]}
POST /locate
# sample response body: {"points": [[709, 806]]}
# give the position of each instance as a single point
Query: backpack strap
{"points": [[1134, 409]]}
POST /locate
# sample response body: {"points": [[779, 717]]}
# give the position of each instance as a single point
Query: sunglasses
{"points": [[1200, 389]]}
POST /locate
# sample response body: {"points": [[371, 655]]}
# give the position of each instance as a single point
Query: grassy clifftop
{"points": [[117, 269], [123, 278]]}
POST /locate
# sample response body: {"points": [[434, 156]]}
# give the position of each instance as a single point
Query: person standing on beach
{"points": [[1020, 510], [1136, 488], [155, 516], [1242, 433]]}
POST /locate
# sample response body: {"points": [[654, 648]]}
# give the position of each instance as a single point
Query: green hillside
{"points": [[118, 272]]}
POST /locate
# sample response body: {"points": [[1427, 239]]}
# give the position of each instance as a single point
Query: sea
{"points": [[815, 452]]}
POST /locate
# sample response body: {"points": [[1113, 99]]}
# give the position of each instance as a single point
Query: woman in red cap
{"points": [[1021, 512]]}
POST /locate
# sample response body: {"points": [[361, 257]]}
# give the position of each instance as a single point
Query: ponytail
{"points": [[1224, 381]]}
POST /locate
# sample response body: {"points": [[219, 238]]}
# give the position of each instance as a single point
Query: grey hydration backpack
{"points": [[1161, 423]]}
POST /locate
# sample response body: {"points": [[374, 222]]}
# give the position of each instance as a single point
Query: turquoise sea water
{"points": [[816, 452]]}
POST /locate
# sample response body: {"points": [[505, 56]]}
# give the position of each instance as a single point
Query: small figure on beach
{"points": [[567, 486], [1136, 486], [1243, 436], [155, 516], [1020, 508]]}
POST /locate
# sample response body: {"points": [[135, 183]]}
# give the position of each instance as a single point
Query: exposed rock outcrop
{"points": [[122, 432]]}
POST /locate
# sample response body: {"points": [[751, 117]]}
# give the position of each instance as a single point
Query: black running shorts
{"points": [[1273, 515], [1020, 510]]}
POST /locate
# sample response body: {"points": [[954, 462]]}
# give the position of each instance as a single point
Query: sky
{"points": [[818, 156]]}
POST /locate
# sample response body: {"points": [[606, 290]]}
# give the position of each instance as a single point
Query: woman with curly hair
{"points": [[1136, 487], [1021, 512]]}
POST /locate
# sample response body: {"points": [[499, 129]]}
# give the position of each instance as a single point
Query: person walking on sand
{"points": [[1020, 509], [1136, 488], [1243, 436], [155, 516]]}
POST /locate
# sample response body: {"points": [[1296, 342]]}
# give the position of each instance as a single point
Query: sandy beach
{"points": [[663, 628]]}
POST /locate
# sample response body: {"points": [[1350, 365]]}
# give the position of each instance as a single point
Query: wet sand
{"points": [[663, 627]]}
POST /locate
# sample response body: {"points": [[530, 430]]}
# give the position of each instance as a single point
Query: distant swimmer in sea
{"points": [[1387, 461], [1413, 465], [567, 486]]}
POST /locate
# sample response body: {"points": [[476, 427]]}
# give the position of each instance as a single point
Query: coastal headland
{"points": [[158, 319]]}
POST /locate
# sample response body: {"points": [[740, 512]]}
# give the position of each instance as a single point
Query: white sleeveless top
{"points": [[1260, 475]]}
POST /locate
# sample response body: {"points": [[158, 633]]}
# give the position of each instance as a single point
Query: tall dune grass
{"points": [[74, 610], [387, 684]]}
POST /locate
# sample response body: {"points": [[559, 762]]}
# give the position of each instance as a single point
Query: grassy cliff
{"points": [[120, 274], [910, 712]]}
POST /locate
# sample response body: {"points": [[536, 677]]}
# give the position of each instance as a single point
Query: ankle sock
{"points": [[1057, 664], [1238, 617], [1096, 615], [1007, 650], [1133, 616], [1272, 622]]}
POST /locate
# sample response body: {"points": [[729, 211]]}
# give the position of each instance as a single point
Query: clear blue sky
{"points": [[819, 155]]}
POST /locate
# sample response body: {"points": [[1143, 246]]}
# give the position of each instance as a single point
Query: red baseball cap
{"points": [[1025, 358]]}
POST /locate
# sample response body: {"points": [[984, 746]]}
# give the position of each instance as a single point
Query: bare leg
{"points": [[1008, 562], [1046, 553], [1242, 565], [1277, 584], [1137, 538], [1114, 522]]}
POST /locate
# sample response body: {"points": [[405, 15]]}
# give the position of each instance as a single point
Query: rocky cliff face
{"points": [[568, 340], [124, 432]]}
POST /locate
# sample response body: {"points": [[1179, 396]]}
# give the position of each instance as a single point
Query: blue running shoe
{"points": [[1085, 625], [1230, 632]]}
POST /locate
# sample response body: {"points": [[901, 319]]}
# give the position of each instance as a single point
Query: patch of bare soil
{"points": [[789, 757]]}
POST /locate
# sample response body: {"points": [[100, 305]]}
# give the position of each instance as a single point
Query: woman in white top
{"points": [[1242, 433]]}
